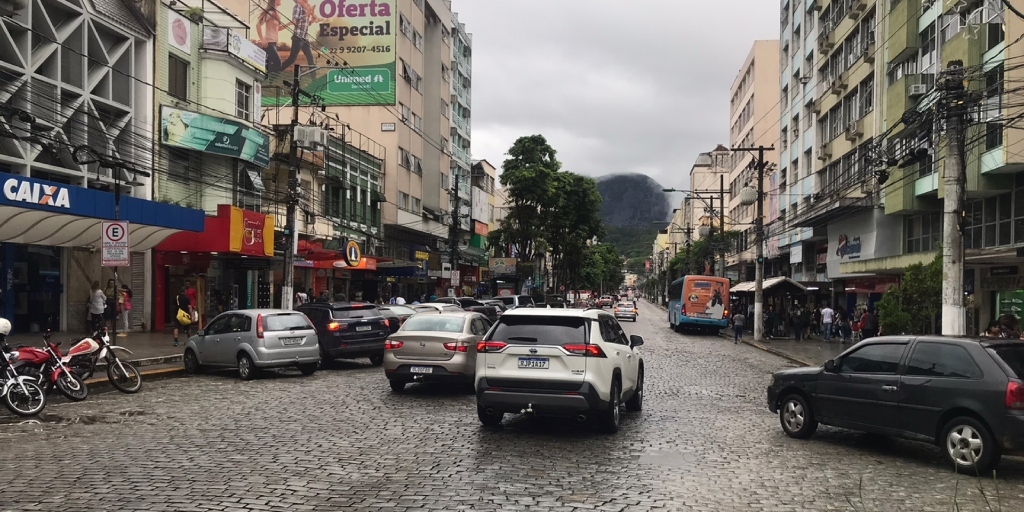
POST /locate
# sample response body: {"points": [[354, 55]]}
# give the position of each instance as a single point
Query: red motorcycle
{"points": [[45, 367]]}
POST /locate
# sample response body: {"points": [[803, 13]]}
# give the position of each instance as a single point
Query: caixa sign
{"points": [[24, 191]]}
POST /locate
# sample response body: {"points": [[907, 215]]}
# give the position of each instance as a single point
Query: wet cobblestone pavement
{"points": [[341, 440]]}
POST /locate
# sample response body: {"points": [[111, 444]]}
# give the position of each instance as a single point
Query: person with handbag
{"points": [[183, 316], [124, 305]]}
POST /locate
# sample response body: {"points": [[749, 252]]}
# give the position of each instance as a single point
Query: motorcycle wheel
{"points": [[129, 381], [25, 405], [72, 387]]}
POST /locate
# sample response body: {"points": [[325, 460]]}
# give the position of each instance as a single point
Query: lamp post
{"points": [[750, 196]]}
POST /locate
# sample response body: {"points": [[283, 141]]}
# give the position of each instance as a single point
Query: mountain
{"points": [[632, 200], [631, 205]]}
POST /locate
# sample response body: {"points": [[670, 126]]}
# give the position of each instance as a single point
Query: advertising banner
{"points": [[179, 35], [233, 42], [502, 266], [200, 132], [358, 38]]}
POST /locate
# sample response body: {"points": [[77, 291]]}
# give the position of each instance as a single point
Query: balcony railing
{"points": [[461, 154]]}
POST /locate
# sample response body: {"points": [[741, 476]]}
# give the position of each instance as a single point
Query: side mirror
{"points": [[830, 365], [636, 340], [200, 333]]}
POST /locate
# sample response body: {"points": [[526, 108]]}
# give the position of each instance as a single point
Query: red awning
{"points": [[314, 251]]}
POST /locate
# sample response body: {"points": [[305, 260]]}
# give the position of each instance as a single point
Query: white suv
{"points": [[558, 362]]}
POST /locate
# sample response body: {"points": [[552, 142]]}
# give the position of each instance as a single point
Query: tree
{"points": [[702, 253], [913, 306], [574, 220], [602, 268], [528, 177]]}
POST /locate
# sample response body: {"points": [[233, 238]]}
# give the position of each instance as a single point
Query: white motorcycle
{"points": [[19, 393], [83, 356]]}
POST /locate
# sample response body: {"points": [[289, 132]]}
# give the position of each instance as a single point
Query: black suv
{"points": [[964, 395], [348, 330]]}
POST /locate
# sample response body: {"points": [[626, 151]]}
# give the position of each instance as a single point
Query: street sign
{"points": [[115, 249], [456, 275]]}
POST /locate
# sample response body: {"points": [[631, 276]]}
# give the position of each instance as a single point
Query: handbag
{"points": [[195, 316], [183, 317]]}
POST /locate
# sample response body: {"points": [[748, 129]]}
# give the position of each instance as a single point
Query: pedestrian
{"points": [[828, 316], [97, 306], [323, 298], [125, 305], [841, 322], [183, 315], [868, 324], [738, 321], [400, 300], [805, 322], [301, 298], [110, 312], [190, 292], [433, 297], [750, 314]]}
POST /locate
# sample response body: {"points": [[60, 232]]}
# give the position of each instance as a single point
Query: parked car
{"points": [[964, 395], [252, 340], [559, 362], [471, 304], [396, 315], [348, 330], [517, 301], [625, 310], [434, 348], [439, 307]]}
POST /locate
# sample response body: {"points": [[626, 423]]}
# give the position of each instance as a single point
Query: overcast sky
{"points": [[615, 85]]}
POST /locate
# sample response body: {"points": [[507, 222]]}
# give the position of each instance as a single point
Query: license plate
{"points": [[540, 363], [364, 328], [291, 341], [421, 369]]}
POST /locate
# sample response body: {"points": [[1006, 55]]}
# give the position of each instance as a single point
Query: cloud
{"points": [[616, 86]]}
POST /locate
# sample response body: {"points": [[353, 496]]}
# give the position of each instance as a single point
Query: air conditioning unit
{"points": [[917, 90], [312, 138], [853, 130], [824, 151]]}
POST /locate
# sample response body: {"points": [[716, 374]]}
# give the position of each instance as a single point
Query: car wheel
{"points": [[191, 362], [636, 402], [377, 359], [969, 446], [797, 418], [397, 385], [608, 420], [246, 368], [489, 419], [308, 368]]}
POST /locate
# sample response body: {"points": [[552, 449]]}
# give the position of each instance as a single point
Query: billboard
{"points": [[358, 38], [200, 132]]}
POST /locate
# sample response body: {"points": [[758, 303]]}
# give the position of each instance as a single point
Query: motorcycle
{"points": [[19, 393], [45, 366], [83, 356]]}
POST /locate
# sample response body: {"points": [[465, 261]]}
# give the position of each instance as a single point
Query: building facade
{"points": [[75, 152]]}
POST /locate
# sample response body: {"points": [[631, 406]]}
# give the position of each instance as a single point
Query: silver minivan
{"points": [[254, 339]]}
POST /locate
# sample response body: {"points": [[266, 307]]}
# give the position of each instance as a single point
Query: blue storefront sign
{"points": [[34, 194]]}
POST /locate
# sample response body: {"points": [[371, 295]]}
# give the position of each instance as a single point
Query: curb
{"points": [[776, 352], [101, 383], [151, 361]]}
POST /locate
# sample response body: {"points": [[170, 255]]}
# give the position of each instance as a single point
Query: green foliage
{"points": [[528, 175], [602, 266], [912, 307], [701, 253], [638, 264], [632, 241]]}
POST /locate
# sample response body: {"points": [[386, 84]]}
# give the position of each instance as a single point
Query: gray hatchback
{"points": [[254, 339]]}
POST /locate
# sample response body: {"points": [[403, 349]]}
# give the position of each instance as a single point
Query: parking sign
{"points": [[116, 252]]}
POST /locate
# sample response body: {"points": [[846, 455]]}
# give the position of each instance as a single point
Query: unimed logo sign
{"points": [[36, 193]]}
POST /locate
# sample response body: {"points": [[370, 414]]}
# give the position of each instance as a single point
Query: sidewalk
{"points": [[813, 352], [148, 348]]}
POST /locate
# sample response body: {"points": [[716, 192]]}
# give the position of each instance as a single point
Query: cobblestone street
{"points": [[341, 440]]}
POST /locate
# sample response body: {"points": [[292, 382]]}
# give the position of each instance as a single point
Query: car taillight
{"points": [[259, 326], [385, 323], [586, 350], [336, 326], [490, 346], [453, 346], [392, 345], [1014, 395]]}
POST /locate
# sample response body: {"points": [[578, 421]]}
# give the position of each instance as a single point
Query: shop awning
{"points": [[748, 286], [232, 231], [365, 263], [46, 213]]}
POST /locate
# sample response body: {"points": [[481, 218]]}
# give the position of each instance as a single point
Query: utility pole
{"points": [[721, 220], [453, 233], [710, 210], [292, 201], [759, 231], [689, 232], [952, 91]]}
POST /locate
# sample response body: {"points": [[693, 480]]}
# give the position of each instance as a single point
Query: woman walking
{"points": [[125, 305], [183, 315], [97, 305]]}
